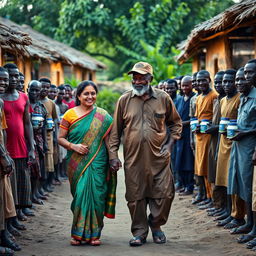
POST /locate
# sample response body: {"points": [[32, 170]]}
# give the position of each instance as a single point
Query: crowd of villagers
{"points": [[214, 161], [32, 163]]}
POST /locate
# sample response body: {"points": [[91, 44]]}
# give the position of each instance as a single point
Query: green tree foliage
{"points": [[164, 65], [40, 14], [99, 27], [107, 99]]}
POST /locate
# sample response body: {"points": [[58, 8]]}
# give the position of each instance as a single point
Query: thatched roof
{"points": [[238, 15], [46, 48], [13, 40]]}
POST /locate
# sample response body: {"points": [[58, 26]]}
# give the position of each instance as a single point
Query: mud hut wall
{"points": [[57, 73], [93, 76], [44, 69], [216, 55], [78, 73], [27, 72], [195, 64]]}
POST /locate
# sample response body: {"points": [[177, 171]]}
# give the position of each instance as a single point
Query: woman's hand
{"points": [[80, 148]]}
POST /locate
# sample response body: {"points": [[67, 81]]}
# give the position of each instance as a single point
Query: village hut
{"points": [[225, 41], [38, 55]]}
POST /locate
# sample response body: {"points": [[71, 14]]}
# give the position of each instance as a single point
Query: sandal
{"points": [[10, 244], [245, 238], [240, 230], [137, 241], [4, 251], [75, 242], [251, 244], [95, 242], [159, 237]]}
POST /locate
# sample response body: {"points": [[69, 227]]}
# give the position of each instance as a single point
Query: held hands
{"points": [[80, 148], [115, 164]]}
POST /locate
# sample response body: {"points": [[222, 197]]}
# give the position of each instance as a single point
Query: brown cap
{"points": [[142, 68]]}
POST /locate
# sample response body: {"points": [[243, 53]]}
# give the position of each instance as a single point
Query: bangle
{"points": [[69, 146]]}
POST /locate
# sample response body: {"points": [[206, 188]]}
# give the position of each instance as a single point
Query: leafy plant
{"points": [[164, 65], [72, 81], [107, 99]]}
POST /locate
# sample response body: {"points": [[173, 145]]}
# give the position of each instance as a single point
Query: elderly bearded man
{"points": [[150, 124]]}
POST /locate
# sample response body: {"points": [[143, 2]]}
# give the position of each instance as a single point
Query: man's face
{"points": [[243, 86], [52, 93], [186, 87], [140, 84], [68, 94], [203, 82], [4, 81], [194, 83], [34, 91], [218, 79], [229, 84], [171, 89], [250, 73], [60, 95], [20, 86], [161, 85], [45, 89], [14, 78]]}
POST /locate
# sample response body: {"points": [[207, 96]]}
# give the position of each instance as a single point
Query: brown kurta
{"points": [[214, 142], [229, 109], [204, 110], [51, 113], [144, 128]]}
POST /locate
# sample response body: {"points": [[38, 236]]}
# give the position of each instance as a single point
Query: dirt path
{"points": [[189, 231]]}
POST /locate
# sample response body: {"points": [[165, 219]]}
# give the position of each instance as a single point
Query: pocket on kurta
{"points": [[158, 122]]}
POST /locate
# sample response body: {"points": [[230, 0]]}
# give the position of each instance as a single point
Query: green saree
{"points": [[93, 187]]}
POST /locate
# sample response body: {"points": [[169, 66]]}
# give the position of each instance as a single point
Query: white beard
{"points": [[141, 92]]}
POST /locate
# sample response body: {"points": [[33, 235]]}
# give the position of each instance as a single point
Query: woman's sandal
{"points": [[4, 251], [75, 242], [95, 242]]}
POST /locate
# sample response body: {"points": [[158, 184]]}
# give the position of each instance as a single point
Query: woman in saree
{"points": [[84, 133]]}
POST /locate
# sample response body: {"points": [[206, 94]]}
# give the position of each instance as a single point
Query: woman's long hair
{"points": [[81, 88]]}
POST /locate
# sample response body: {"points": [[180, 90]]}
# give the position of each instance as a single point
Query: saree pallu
{"points": [[92, 185]]}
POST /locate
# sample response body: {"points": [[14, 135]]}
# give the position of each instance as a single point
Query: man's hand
{"points": [[31, 156], [115, 164], [168, 146], [45, 147], [238, 136], [212, 130], [7, 163]]}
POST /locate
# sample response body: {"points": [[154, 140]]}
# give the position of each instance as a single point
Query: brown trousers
{"points": [[7, 207], [238, 207], [219, 196], [159, 212]]}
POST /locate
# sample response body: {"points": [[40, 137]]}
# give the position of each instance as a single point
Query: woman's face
{"points": [[88, 96]]}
